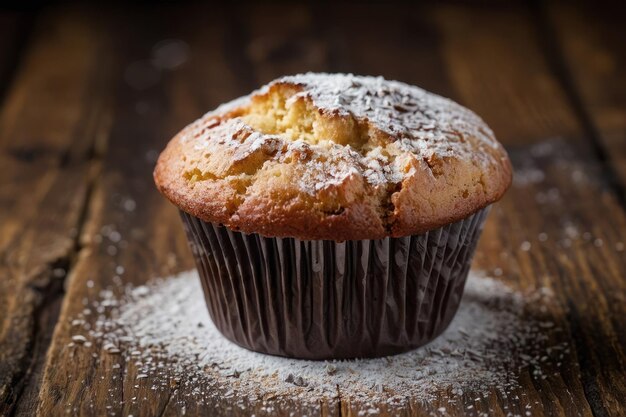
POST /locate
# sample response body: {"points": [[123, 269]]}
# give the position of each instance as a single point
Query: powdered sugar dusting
{"points": [[421, 119], [416, 121], [164, 330]]}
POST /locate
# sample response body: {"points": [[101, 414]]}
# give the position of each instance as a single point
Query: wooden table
{"points": [[84, 113]]}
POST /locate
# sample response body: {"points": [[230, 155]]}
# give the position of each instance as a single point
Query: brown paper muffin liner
{"points": [[330, 300]]}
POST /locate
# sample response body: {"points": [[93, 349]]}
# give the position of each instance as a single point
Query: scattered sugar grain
{"points": [[59, 272], [129, 204]]}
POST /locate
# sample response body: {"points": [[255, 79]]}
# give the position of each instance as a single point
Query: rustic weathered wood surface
{"points": [[84, 114]]}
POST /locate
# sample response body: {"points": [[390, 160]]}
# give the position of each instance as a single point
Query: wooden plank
{"points": [[89, 380], [281, 42], [403, 46], [592, 41], [76, 383], [14, 29], [492, 62], [44, 187]]}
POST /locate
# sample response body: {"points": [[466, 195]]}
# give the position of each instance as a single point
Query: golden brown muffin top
{"points": [[334, 156]]}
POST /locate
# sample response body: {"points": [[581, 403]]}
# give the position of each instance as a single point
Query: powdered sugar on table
{"points": [[164, 329]]}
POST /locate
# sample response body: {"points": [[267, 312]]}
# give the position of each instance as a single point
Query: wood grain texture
{"points": [[592, 324], [560, 226], [14, 31], [494, 65], [83, 381], [592, 42], [45, 174]]}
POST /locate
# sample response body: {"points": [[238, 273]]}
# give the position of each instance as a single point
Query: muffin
{"points": [[334, 215]]}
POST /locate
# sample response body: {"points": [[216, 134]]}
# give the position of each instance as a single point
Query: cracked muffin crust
{"points": [[334, 157]]}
